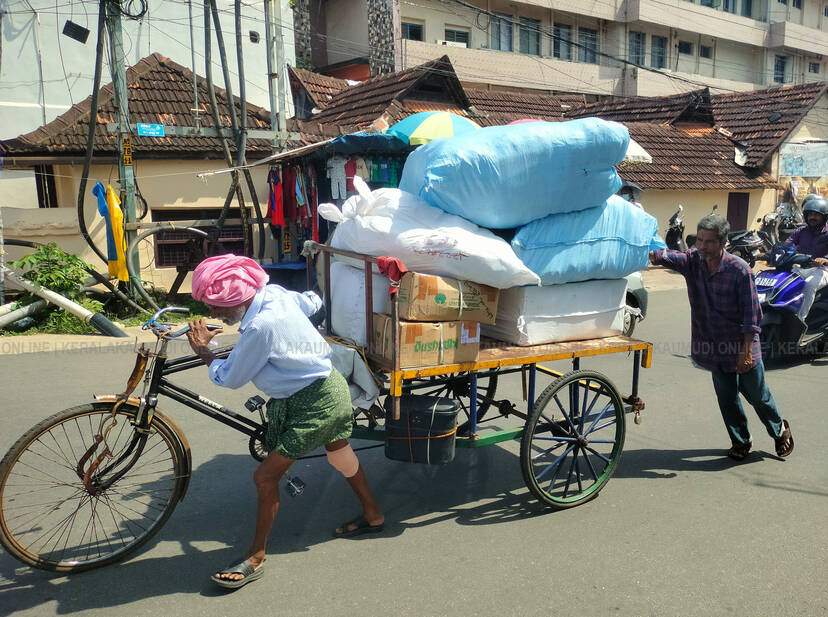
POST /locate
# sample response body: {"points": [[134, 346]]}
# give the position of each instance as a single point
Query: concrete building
{"points": [[664, 46]]}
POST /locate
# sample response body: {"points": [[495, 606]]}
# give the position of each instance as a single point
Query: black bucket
{"points": [[425, 431]]}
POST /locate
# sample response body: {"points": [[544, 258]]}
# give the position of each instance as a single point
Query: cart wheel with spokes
{"points": [[573, 439], [458, 387]]}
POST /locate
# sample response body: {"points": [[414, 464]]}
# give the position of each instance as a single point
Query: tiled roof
{"points": [[762, 119], [320, 88], [160, 92], [688, 160], [361, 105], [509, 106], [691, 106]]}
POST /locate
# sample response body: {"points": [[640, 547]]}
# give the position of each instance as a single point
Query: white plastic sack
{"points": [[573, 311], [348, 301], [390, 222]]}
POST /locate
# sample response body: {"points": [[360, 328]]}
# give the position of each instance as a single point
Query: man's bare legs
{"points": [[370, 509], [266, 477]]}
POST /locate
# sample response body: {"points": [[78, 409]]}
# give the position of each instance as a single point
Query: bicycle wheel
{"points": [[50, 520], [569, 452]]}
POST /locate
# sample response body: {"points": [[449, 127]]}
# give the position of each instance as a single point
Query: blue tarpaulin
{"points": [[355, 143]]}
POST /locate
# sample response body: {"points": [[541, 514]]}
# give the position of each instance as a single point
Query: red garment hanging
{"points": [[289, 193], [275, 208]]}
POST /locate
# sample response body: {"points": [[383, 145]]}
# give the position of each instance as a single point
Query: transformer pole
{"points": [[125, 169]]}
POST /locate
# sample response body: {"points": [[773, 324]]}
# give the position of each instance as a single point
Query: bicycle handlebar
{"points": [[163, 329]]}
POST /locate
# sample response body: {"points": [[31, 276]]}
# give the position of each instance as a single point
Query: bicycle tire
{"points": [[49, 520]]}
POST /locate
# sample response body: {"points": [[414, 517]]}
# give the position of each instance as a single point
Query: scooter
{"points": [[675, 231], [780, 296], [748, 244]]}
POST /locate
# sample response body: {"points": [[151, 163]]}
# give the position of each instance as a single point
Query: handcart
{"points": [[573, 431]]}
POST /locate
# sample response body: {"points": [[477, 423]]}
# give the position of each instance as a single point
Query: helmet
{"points": [[815, 203]]}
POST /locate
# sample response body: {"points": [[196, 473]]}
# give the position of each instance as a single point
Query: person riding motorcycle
{"points": [[812, 239]]}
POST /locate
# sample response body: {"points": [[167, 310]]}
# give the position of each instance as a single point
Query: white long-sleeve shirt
{"points": [[280, 351]]}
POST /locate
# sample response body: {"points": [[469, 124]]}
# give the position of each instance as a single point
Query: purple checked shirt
{"points": [[723, 307], [810, 243]]}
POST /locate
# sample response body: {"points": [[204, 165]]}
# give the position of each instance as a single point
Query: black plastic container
{"points": [[425, 431]]}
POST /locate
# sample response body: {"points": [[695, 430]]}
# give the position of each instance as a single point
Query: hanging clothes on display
{"points": [[336, 172], [109, 208], [350, 170], [275, 207], [362, 168], [314, 202]]}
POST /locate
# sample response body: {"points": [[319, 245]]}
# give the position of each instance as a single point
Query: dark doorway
{"points": [[737, 210]]}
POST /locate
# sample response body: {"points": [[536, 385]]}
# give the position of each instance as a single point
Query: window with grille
{"points": [[588, 50], [813, 67], [705, 51], [172, 248], [457, 36], [658, 52], [780, 65], [685, 47], [412, 32], [501, 32], [747, 8], [729, 6], [530, 36], [46, 189], [638, 47], [562, 42]]}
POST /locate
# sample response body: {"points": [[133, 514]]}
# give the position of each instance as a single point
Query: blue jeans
{"points": [[753, 387]]}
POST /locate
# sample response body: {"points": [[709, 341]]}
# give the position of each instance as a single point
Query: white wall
{"points": [[68, 66], [347, 29], [17, 188]]}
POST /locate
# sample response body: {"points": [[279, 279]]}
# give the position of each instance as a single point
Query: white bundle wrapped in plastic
{"points": [[348, 301], [555, 313], [390, 222]]}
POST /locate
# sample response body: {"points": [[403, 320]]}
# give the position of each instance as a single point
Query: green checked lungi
{"points": [[318, 414]]}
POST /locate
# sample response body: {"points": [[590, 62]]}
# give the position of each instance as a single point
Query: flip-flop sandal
{"points": [[245, 568], [362, 527], [785, 442], [739, 452]]}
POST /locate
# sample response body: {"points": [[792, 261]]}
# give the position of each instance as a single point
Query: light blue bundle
{"points": [[608, 242], [507, 176]]}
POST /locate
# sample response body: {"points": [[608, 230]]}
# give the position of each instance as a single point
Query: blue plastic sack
{"points": [[608, 242], [508, 176]]}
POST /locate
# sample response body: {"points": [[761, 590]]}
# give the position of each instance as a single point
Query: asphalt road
{"points": [[679, 530]]}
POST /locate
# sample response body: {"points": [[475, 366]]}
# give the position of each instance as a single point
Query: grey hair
{"points": [[717, 224]]}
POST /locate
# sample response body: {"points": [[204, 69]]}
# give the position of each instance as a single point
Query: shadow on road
{"points": [[480, 488]]}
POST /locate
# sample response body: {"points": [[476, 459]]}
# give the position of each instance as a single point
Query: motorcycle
{"points": [[780, 296], [790, 218], [748, 244], [769, 226], [675, 231]]}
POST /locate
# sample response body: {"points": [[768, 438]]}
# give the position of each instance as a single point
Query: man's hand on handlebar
{"points": [[199, 337]]}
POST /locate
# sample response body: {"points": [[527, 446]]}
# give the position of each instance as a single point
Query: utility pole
{"points": [[275, 73], [125, 169]]}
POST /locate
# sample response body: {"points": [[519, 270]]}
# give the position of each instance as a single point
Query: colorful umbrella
{"points": [[421, 128]]}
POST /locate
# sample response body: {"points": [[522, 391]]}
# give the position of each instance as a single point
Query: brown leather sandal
{"points": [[739, 452], [785, 442]]}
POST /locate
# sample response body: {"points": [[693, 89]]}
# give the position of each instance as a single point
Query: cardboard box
{"points": [[428, 344], [424, 297]]}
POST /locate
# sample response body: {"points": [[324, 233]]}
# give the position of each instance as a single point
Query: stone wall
{"points": [[381, 36], [302, 32]]}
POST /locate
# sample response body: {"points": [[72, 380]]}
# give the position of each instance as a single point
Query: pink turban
{"points": [[227, 280]]}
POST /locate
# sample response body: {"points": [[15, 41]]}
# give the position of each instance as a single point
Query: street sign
{"points": [[150, 130]]}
